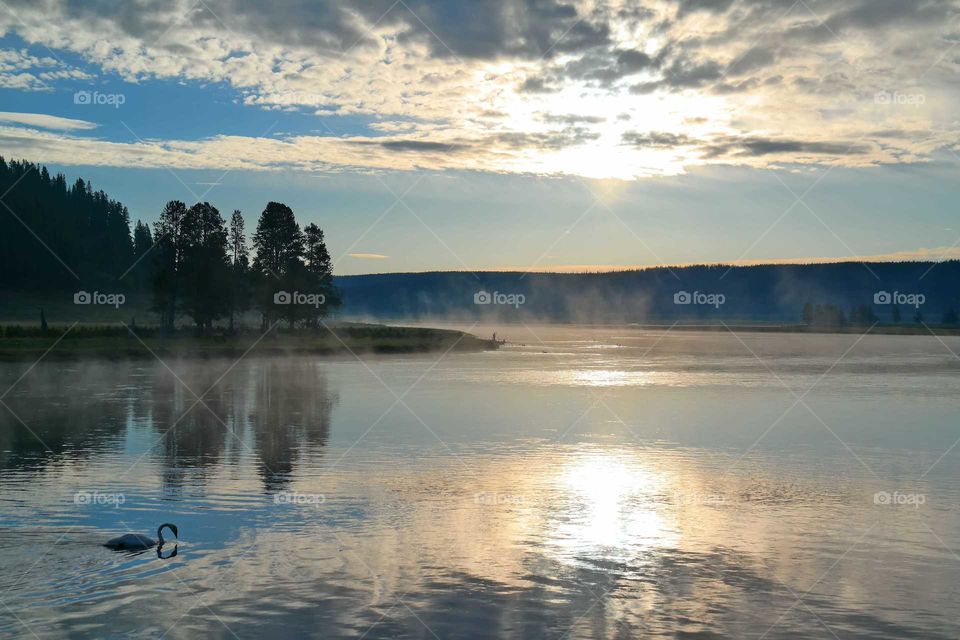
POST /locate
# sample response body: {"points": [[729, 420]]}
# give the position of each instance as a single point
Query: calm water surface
{"points": [[582, 483]]}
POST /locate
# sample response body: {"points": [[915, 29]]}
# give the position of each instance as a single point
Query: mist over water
{"points": [[583, 482]]}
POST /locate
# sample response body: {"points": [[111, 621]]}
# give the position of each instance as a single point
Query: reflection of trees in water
{"points": [[291, 414], [275, 409], [193, 437], [67, 407], [266, 409]]}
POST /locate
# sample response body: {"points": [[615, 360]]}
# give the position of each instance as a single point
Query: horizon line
{"points": [[606, 269]]}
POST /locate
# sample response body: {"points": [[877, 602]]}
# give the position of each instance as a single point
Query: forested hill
{"points": [[47, 224], [844, 292]]}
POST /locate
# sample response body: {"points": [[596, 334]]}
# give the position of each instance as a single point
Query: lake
{"points": [[578, 483]]}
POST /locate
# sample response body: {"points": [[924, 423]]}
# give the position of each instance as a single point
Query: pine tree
{"points": [[239, 267], [320, 269], [278, 265], [205, 273], [168, 263], [141, 270]]}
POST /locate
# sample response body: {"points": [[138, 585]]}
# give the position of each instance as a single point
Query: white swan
{"points": [[138, 542]]}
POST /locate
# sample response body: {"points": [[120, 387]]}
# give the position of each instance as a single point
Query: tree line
{"points": [[191, 263], [201, 267], [773, 293], [832, 315], [51, 233]]}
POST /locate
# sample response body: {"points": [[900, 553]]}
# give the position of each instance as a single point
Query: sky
{"points": [[547, 135]]}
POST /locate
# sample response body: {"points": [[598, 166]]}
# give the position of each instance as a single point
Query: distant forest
{"points": [[848, 293], [192, 264]]}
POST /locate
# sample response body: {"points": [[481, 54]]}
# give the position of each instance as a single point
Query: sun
{"points": [[582, 130]]}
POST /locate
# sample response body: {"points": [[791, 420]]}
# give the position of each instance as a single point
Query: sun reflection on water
{"points": [[614, 507], [607, 377]]}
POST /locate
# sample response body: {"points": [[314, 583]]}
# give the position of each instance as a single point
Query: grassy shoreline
{"points": [[903, 329], [879, 329], [118, 343]]}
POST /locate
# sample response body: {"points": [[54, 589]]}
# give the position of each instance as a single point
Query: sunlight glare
{"points": [[613, 506]]}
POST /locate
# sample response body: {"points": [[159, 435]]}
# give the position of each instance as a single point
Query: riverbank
{"points": [[18, 343], [878, 329], [504, 328]]}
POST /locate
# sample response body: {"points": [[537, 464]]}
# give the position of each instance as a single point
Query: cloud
{"points": [[419, 145], [498, 29], [369, 256], [538, 85], [558, 139], [23, 71], [656, 139], [46, 122], [495, 152], [750, 82], [757, 146], [686, 7], [570, 118], [683, 74]]}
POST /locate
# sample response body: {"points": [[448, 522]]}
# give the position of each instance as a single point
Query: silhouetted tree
{"points": [[239, 267], [895, 314], [950, 316], [51, 230], [278, 265], [828, 315], [320, 269], [862, 315], [168, 262], [205, 272], [190, 261], [141, 270]]}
